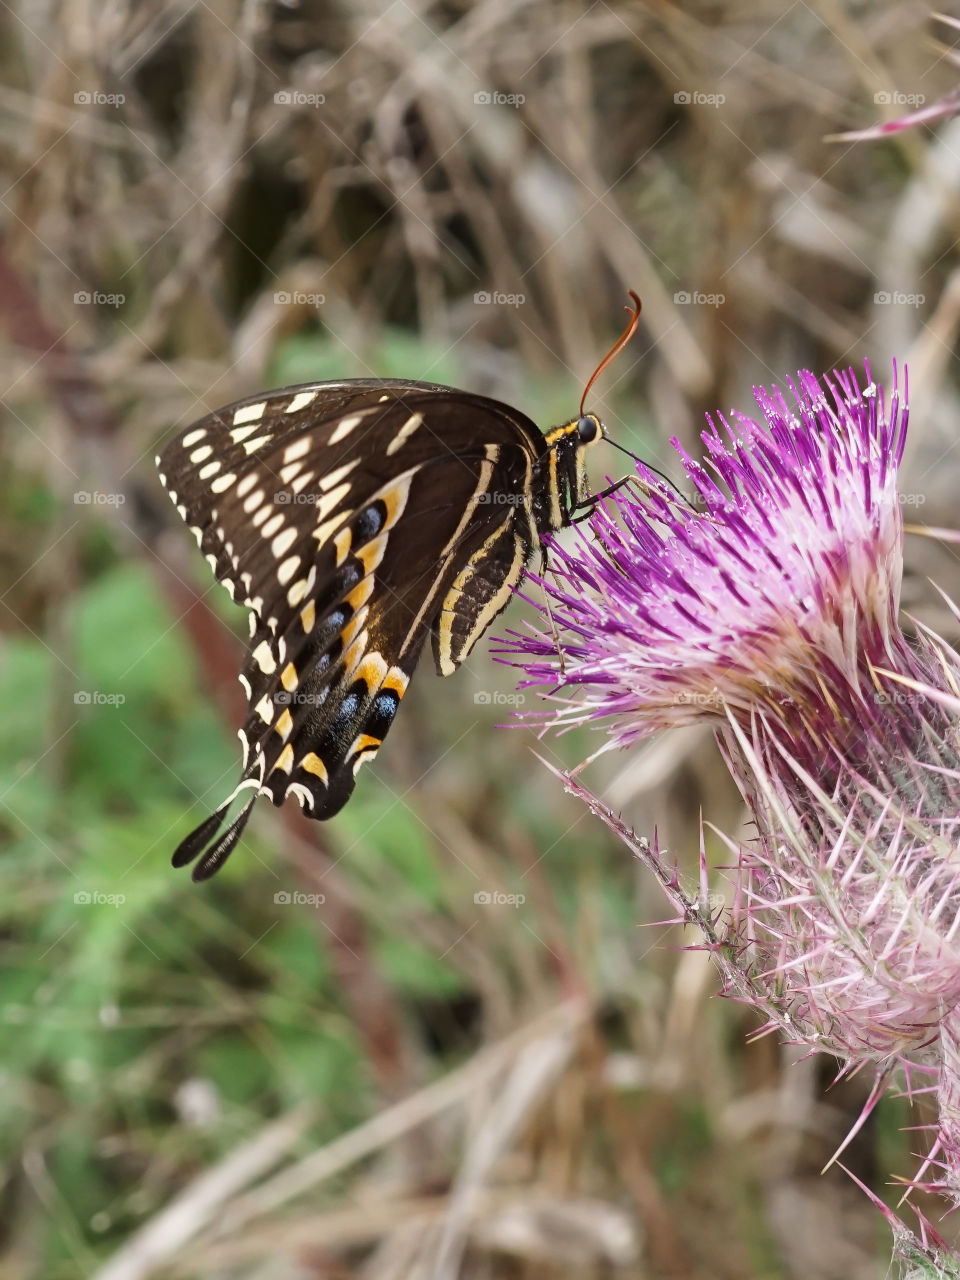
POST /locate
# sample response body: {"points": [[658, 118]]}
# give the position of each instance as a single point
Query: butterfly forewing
{"points": [[353, 520]]}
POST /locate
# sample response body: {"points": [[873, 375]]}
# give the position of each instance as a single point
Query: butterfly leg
{"points": [[554, 633], [587, 505], [590, 502], [672, 496]]}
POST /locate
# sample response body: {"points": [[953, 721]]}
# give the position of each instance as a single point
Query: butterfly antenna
{"points": [[617, 347], [677, 500]]}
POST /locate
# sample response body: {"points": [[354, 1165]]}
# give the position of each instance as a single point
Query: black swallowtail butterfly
{"points": [[354, 519]]}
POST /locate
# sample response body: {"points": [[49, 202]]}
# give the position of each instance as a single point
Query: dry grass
{"points": [[580, 1108]]}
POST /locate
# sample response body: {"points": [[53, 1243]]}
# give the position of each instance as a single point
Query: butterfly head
{"points": [[564, 467], [568, 444], [577, 434], [589, 429]]}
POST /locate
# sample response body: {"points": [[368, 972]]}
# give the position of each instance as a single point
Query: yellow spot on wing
{"points": [[352, 630], [341, 545], [252, 445], [302, 480], [331, 500], [345, 426], [394, 497], [223, 483], [323, 531], [360, 594], [283, 541], [353, 651], [249, 413], [297, 592], [312, 763], [284, 760], [371, 671], [263, 657], [297, 449], [335, 476], [286, 571], [396, 680], [301, 793], [284, 725], [405, 432], [300, 401], [363, 755], [371, 554]]}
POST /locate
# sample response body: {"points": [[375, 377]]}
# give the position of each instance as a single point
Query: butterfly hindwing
{"points": [[328, 688], [353, 520]]}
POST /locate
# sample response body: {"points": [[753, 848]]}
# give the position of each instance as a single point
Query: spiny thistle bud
{"points": [[767, 605]]}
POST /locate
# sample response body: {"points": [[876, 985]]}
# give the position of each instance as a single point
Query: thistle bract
{"points": [[765, 600]]}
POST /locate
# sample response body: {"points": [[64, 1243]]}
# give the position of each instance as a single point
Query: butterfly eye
{"points": [[588, 428]]}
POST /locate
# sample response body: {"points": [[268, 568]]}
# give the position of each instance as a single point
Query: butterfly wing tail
{"points": [[198, 842], [217, 854], [199, 838]]}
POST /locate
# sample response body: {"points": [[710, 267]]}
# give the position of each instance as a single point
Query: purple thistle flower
{"points": [[768, 606]]}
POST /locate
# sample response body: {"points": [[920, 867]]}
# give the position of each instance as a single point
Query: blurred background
{"points": [[444, 1034]]}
